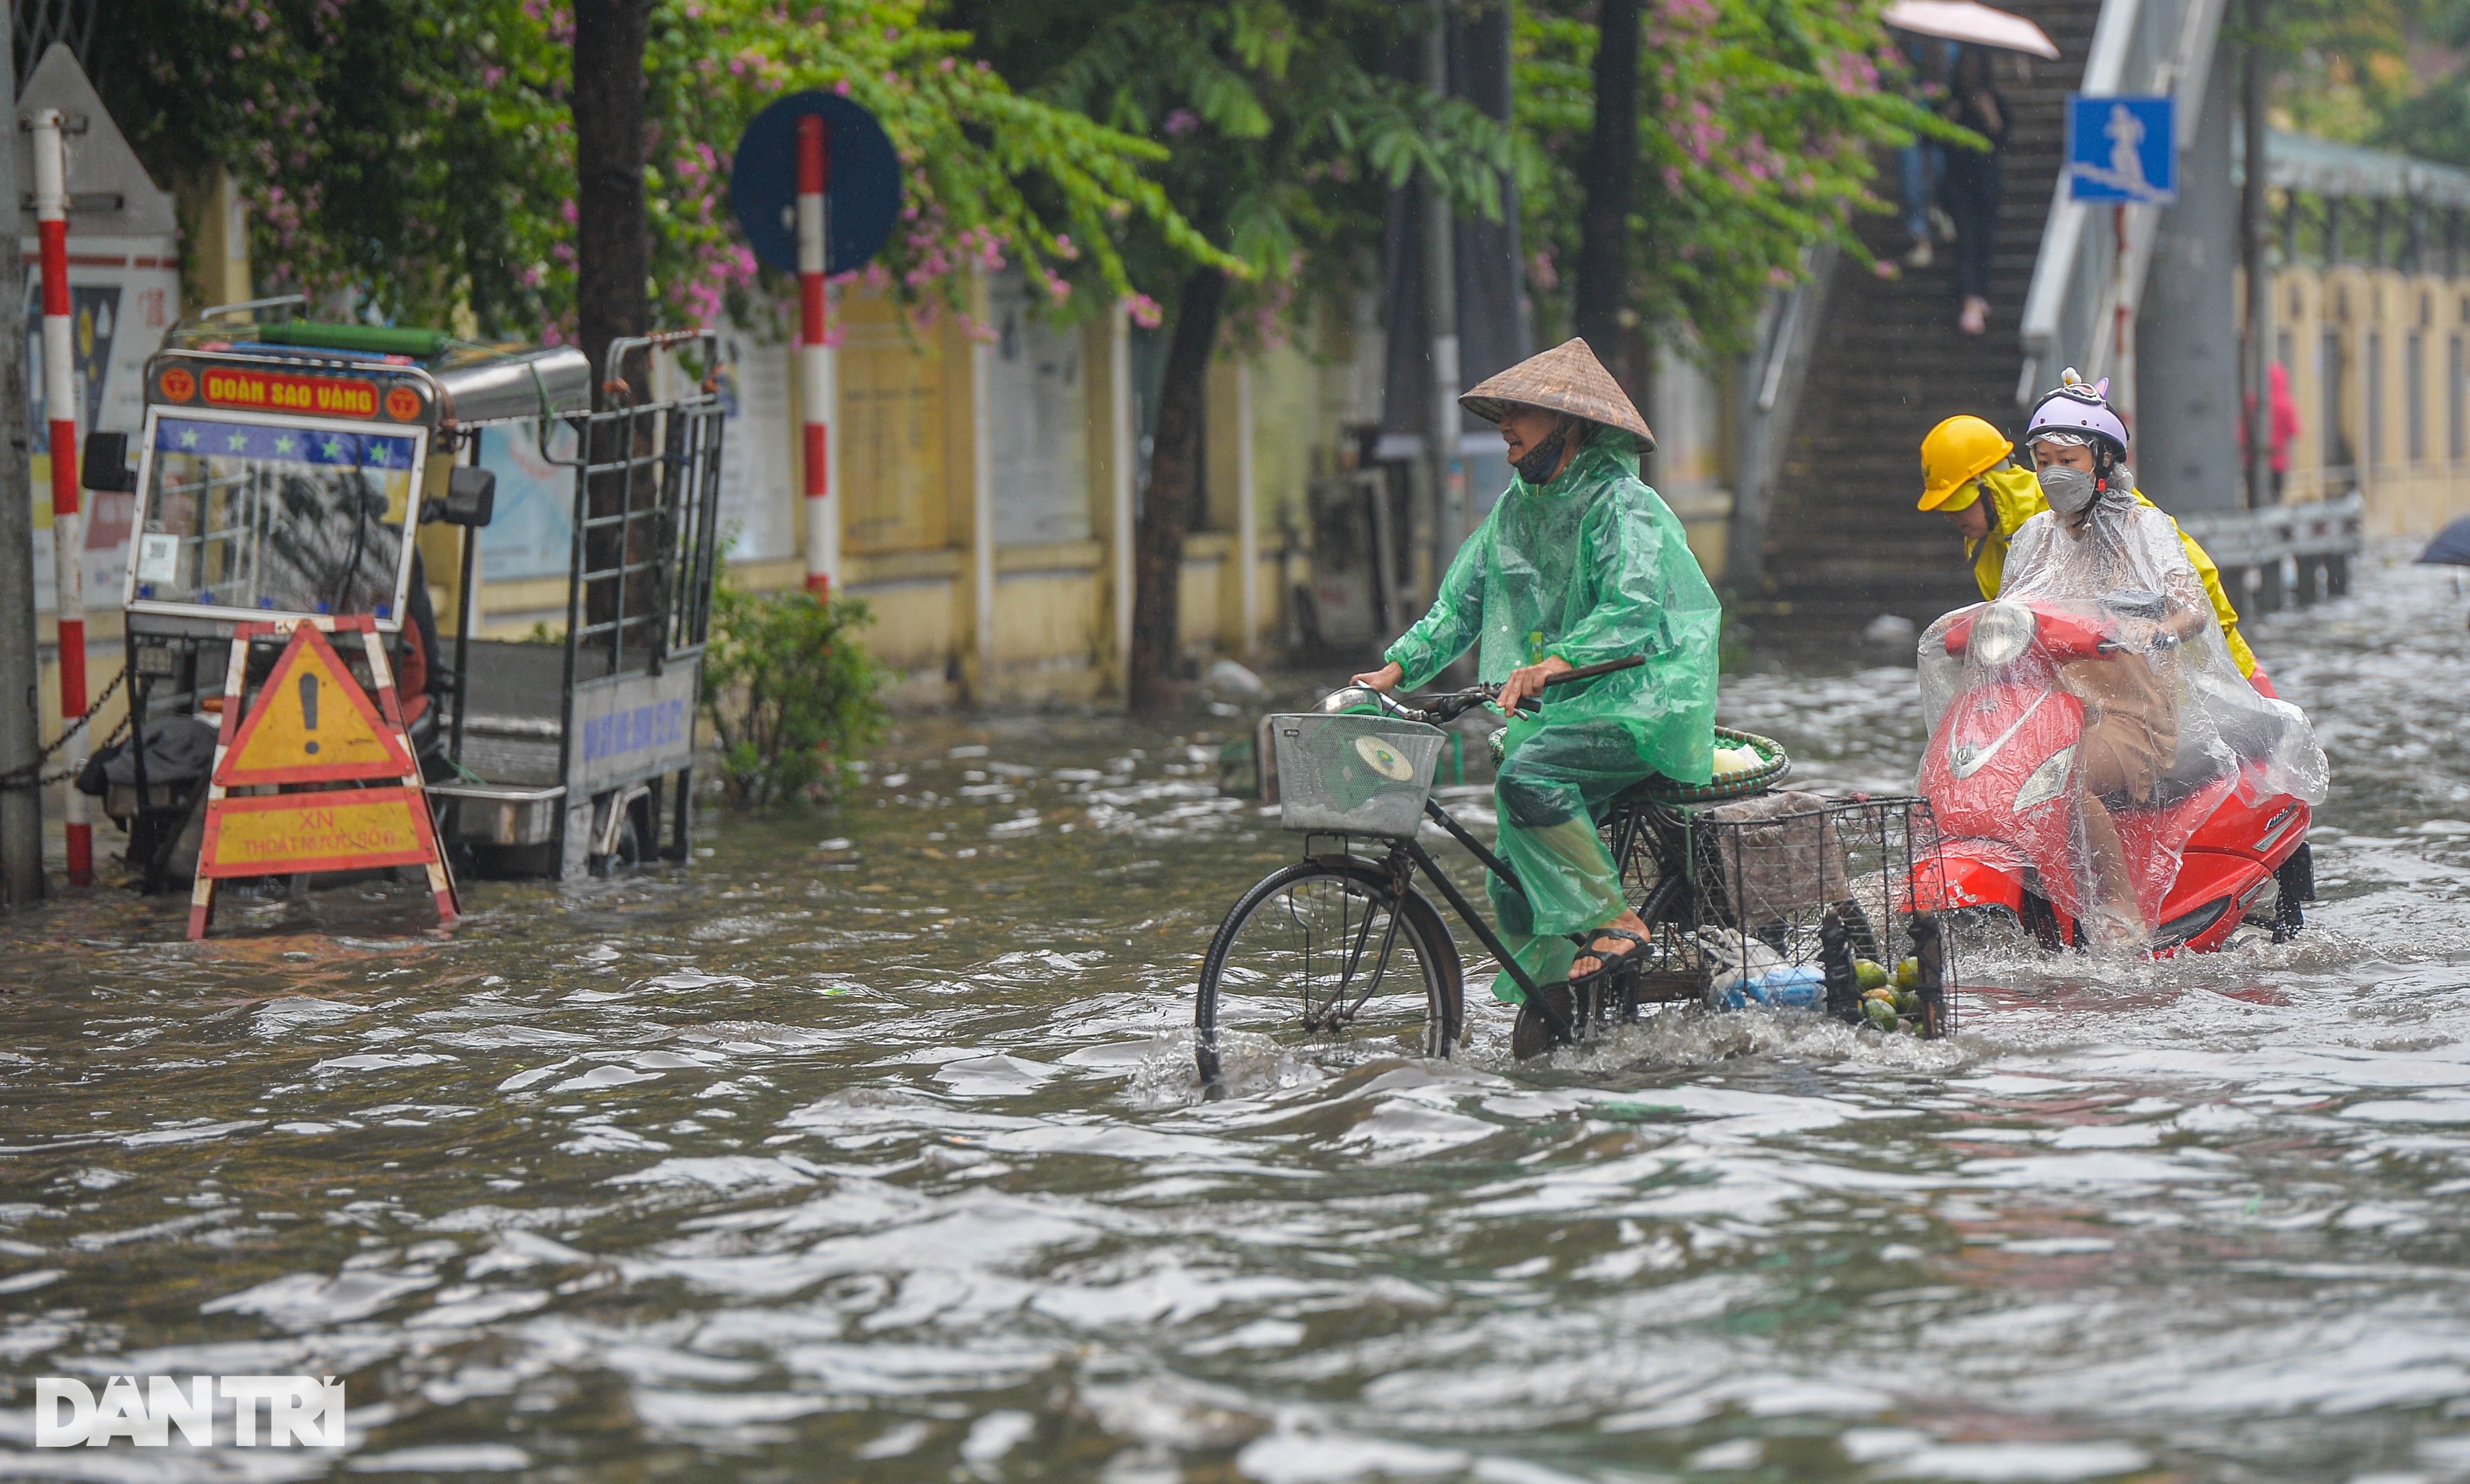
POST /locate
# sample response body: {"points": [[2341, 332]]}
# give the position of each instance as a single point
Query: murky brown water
{"points": [[879, 1160]]}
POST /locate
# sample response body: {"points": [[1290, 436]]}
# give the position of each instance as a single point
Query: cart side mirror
{"points": [[103, 467], [470, 498]]}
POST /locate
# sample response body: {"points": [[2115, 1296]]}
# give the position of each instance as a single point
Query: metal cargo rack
{"points": [[570, 755], [1770, 898]]}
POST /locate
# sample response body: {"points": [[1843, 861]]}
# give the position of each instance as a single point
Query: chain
{"points": [[33, 773]]}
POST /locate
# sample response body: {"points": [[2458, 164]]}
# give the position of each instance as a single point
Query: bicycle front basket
{"points": [[1353, 774]]}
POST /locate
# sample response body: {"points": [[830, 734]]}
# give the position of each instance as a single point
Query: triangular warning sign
{"points": [[312, 724]]}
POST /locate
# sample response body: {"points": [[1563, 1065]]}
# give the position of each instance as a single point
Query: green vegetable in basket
{"points": [[1908, 1003], [1881, 1013], [1868, 973], [1908, 974]]}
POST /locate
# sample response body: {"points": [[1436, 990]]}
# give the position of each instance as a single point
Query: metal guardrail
{"points": [[2089, 275], [1769, 399], [2254, 537]]}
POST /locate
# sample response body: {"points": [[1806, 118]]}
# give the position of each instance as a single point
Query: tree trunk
{"points": [[613, 258], [1610, 178], [610, 234], [1166, 505]]}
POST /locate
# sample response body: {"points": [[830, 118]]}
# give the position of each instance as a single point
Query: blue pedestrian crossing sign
{"points": [[2123, 149]]}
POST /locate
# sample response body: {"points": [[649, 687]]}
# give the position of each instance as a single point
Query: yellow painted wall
{"points": [[2383, 322], [895, 431], [1292, 425], [1202, 593], [1050, 616], [906, 455]]}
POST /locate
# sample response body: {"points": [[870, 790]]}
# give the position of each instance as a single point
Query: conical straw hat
{"points": [[1566, 379]]}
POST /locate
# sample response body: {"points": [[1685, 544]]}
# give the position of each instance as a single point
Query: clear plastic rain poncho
{"points": [[2164, 718], [1591, 566]]}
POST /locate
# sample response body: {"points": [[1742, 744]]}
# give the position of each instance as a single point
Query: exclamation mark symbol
{"points": [[309, 710]]}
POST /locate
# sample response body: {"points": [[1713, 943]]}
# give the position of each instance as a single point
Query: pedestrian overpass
{"points": [[2368, 309]]}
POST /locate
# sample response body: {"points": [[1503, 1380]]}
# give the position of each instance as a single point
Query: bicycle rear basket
{"points": [[1768, 872], [1353, 774]]}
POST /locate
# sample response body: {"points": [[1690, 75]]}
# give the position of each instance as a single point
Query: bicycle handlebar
{"points": [[1441, 710]]}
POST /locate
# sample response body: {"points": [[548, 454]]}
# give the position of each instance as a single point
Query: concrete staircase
{"points": [[1842, 536]]}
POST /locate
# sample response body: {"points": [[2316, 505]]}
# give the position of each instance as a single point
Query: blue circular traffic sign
{"points": [[861, 196]]}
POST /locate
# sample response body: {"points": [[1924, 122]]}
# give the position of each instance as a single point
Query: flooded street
{"points": [[868, 1149]]}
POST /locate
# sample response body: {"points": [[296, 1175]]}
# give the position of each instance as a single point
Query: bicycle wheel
{"points": [[1320, 955]]}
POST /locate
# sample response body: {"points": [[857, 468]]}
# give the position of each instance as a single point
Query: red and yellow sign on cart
{"points": [[314, 730]]}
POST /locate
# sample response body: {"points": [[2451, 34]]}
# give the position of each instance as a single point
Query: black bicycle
{"points": [[1344, 949]]}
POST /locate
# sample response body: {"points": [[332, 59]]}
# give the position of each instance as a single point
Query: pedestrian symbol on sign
{"points": [[2123, 149]]}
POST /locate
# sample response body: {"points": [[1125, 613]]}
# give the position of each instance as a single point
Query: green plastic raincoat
{"points": [[1591, 566]]}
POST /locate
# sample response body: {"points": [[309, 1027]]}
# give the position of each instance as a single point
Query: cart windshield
{"points": [[271, 516]]}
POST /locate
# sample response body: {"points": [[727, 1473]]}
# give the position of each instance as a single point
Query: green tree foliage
{"points": [[2397, 76], [1280, 128], [792, 695], [1762, 117], [421, 152], [2339, 68]]}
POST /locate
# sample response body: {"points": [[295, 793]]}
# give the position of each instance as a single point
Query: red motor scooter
{"points": [[1999, 776]]}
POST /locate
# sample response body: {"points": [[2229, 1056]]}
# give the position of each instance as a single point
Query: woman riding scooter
{"points": [[1966, 478], [1578, 562], [2161, 699]]}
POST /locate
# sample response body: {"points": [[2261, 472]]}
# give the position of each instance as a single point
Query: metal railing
{"points": [[2089, 275], [646, 531], [1769, 397]]}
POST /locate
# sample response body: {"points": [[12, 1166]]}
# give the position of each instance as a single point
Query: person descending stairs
{"points": [[1891, 361]]}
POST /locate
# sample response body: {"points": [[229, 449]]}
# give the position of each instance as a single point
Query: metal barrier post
{"points": [[68, 523], [814, 364]]}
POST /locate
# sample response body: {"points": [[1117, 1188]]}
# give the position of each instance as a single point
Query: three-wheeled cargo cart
{"points": [[284, 470]]}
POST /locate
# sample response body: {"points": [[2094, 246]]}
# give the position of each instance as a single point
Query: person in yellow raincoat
{"points": [[1577, 563], [1966, 476]]}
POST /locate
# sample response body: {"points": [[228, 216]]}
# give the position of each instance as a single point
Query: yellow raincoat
{"points": [[2013, 497]]}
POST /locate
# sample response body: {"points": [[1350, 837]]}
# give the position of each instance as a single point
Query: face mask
{"points": [[2067, 490], [1545, 456]]}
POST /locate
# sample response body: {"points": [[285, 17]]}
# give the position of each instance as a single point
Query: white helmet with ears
{"points": [[2082, 414]]}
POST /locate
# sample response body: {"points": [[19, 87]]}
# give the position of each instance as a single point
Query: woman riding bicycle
{"points": [[1577, 563]]}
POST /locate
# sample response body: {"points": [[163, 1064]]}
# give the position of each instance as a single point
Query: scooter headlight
{"points": [[2002, 632], [2047, 781]]}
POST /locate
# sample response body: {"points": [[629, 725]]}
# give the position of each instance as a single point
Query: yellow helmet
{"points": [[1956, 452]]}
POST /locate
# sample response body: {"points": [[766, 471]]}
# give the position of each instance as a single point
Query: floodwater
{"points": [[868, 1149]]}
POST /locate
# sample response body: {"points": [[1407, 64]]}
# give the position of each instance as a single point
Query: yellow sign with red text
{"points": [[342, 830], [312, 729]]}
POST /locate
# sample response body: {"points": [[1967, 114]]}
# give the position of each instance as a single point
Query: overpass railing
{"points": [[2080, 308]]}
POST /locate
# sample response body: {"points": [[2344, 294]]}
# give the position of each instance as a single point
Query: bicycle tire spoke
{"points": [[1301, 962]]}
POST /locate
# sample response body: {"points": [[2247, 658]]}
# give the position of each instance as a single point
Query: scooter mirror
{"points": [[470, 498], [104, 464]]}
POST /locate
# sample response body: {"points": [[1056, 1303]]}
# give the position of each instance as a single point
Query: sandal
{"points": [[1608, 963]]}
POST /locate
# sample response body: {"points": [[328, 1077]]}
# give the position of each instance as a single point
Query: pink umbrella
{"points": [[1970, 20]]}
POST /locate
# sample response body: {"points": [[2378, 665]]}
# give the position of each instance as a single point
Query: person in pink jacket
{"points": [[2280, 432], [2284, 428]]}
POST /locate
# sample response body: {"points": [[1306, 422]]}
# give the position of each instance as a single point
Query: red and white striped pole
{"points": [[68, 522], [814, 365]]}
